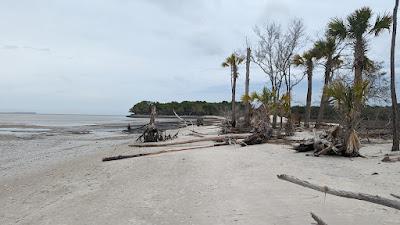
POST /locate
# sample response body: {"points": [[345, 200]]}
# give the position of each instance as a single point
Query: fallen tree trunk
{"points": [[220, 138], [318, 220], [346, 194], [119, 157]]}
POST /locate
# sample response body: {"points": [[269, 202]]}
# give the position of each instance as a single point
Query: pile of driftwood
{"points": [[260, 128], [334, 142], [261, 133]]}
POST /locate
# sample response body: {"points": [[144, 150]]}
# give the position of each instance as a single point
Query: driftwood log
{"points": [[318, 220], [391, 159], [221, 138], [119, 157], [346, 194]]}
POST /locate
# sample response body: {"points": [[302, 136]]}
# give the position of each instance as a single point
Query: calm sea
{"points": [[65, 120]]}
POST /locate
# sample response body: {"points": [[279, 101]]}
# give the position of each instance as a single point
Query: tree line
{"points": [[201, 108], [194, 108]]}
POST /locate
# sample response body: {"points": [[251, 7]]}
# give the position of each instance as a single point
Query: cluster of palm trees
{"points": [[351, 35]]}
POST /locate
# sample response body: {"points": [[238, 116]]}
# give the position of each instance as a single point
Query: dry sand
{"points": [[221, 185]]}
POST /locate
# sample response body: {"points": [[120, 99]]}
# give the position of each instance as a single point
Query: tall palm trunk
{"points": [[395, 146], [247, 84], [359, 60], [359, 56], [309, 93], [234, 68], [324, 100]]}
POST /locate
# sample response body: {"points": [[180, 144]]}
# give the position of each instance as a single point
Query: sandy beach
{"points": [[67, 183]]}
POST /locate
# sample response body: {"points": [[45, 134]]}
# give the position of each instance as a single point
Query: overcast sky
{"points": [[102, 56]]}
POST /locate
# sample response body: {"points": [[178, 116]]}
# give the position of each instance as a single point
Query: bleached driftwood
{"points": [[318, 220], [346, 194], [180, 118], [214, 138], [119, 157]]}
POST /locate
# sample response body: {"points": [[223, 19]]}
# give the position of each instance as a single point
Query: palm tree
{"points": [[344, 96], [356, 29], [395, 146], [233, 61], [326, 49], [306, 60]]}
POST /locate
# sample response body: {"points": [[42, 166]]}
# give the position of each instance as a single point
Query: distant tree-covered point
{"points": [[195, 108], [201, 108]]}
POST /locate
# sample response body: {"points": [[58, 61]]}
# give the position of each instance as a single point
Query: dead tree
{"points": [[151, 132]]}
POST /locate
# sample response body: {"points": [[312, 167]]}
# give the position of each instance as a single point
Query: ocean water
{"points": [[65, 120]]}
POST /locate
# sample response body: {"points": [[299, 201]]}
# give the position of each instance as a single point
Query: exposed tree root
{"points": [[346, 194]]}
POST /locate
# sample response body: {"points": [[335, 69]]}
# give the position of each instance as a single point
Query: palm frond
{"points": [[359, 22], [382, 23], [337, 28]]}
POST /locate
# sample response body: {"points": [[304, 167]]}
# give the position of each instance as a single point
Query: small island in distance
{"points": [[18, 113]]}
